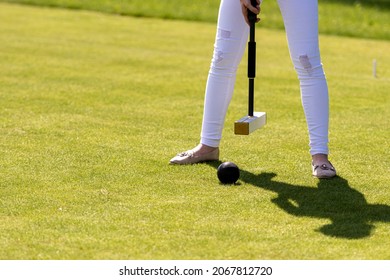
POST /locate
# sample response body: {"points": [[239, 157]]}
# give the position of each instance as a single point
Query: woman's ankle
{"points": [[204, 149], [319, 158]]}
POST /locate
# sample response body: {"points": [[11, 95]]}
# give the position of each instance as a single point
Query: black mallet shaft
{"points": [[254, 120], [251, 58]]}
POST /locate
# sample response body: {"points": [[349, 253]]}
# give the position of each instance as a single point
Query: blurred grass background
{"points": [[364, 19]]}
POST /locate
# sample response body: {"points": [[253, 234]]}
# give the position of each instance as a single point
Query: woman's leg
{"points": [[230, 43], [301, 24]]}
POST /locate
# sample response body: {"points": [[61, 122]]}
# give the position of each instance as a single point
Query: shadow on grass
{"points": [[334, 199]]}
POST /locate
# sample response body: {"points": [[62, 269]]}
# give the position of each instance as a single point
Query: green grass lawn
{"points": [[95, 105]]}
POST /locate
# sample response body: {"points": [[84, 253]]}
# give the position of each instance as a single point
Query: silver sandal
{"points": [[324, 171], [189, 157]]}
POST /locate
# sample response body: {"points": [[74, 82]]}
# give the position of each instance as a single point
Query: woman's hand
{"points": [[245, 5]]}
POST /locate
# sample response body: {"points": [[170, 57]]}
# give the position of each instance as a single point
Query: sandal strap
{"points": [[324, 167]]}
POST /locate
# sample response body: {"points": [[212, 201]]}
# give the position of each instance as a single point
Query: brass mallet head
{"points": [[248, 124]]}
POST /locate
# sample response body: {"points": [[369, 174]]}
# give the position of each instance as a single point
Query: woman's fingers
{"points": [[245, 5]]}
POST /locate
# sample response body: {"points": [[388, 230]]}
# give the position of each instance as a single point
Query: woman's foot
{"points": [[321, 166], [200, 153]]}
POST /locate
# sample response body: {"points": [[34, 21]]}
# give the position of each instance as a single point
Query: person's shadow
{"points": [[350, 215]]}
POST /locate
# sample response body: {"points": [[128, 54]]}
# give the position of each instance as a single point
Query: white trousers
{"points": [[301, 24]]}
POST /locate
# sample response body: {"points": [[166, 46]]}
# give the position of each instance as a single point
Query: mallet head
{"points": [[248, 124]]}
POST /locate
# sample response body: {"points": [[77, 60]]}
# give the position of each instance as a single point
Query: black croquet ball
{"points": [[228, 172]]}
